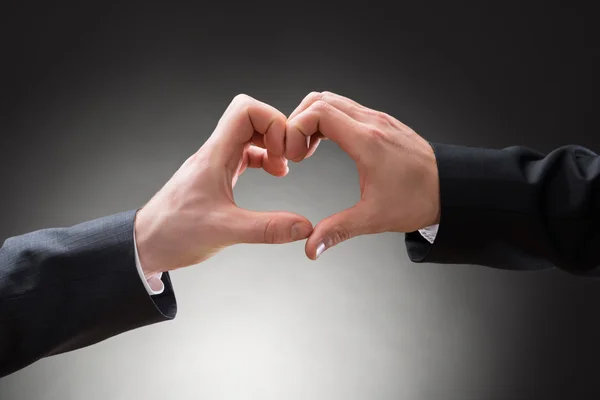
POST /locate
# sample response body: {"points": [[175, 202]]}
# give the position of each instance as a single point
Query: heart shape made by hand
{"points": [[194, 215]]}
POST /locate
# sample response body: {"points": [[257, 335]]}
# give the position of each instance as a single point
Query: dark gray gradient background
{"points": [[100, 105]]}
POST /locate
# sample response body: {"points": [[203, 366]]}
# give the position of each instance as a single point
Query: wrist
{"points": [[147, 245], [432, 181]]}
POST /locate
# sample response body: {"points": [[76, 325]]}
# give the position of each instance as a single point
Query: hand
{"points": [[397, 168], [194, 215]]}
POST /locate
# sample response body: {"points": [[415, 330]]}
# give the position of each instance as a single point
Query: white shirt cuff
{"points": [[429, 233], [153, 284]]}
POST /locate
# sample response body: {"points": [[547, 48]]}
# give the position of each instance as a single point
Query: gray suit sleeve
{"points": [[67, 288]]}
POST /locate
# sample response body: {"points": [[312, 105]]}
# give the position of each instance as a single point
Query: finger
{"points": [[241, 168], [344, 104], [307, 145], [356, 110], [268, 227], [259, 158], [305, 103], [274, 142], [297, 145], [338, 228], [300, 145], [255, 157], [349, 107], [277, 144], [244, 117], [314, 143], [258, 139], [332, 123]]}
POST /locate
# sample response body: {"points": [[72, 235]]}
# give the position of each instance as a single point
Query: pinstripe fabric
{"points": [[66, 288]]}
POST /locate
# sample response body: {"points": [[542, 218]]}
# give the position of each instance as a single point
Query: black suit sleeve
{"points": [[67, 288], [516, 209]]}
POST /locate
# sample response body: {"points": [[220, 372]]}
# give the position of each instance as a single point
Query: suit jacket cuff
{"points": [[483, 197], [113, 299]]}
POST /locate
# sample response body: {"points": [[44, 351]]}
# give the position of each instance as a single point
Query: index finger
{"points": [[332, 123], [343, 103], [246, 117]]}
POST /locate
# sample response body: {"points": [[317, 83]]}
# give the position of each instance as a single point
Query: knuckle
{"points": [[371, 113], [387, 119], [294, 154], [381, 115], [376, 139], [321, 106], [270, 232], [354, 109], [314, 96], [375, 133], [242, 99], [340, 234]]}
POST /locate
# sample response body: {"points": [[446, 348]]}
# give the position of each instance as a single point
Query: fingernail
{"points": [[300, 230], [320, 249]]}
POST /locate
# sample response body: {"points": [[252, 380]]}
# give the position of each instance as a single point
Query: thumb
{"points": [[275, 227], [333, 230]]}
